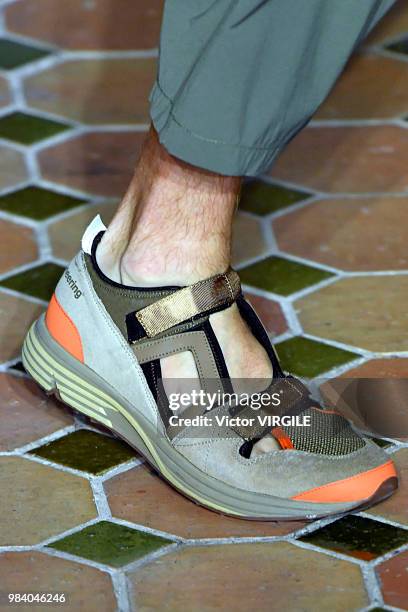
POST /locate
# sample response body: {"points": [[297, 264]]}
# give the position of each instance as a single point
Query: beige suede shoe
{"points": [[99, 348]]}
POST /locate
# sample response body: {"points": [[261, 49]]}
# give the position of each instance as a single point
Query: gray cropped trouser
{"points": [[237, 79]]}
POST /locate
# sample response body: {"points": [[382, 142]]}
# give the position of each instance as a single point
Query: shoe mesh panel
{"points": [[328, 434]]}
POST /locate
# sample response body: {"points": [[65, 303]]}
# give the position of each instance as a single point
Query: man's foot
{"points": [[99, 347]]}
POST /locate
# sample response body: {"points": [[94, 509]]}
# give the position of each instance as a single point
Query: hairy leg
{"points": [[174, 227]]}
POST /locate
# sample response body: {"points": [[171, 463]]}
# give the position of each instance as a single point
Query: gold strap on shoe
{"points": [[189, 302]]}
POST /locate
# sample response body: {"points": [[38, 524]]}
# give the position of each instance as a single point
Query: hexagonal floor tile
{"points": [[359, 94], [373, 396], [14, 54], [17, 367], [140, 496], [27, 414], [392, 25], [347, 159], [39, 281], [87, 451], [309, 358], [281, 275], [101, 163], [65, 234], [269, 312], [18, 245], [110, 543], [367, 312], [37, 203], [42, 501], [13, 169], [358, 537], [96, 25], [16, 315], [395, 507], [248, 240], [394, 586], [77, 89], [5, 97], [26, 129], [276, 575], [329, 231], [380, 368], [84, 587], [400, 46], [263, 198]]}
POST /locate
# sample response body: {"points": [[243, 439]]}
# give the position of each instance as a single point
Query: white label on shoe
{"points": [[93, 229]]}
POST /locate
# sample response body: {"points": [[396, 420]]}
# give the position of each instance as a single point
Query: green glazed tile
{"points": [[13, 54], [381, 443], [281, 275], [400, 46], [109, 543], [262, 198], [87, 451], [18, 367], [29, 128], [39, 281], [37, 203], [309, 358], [358, 537]]}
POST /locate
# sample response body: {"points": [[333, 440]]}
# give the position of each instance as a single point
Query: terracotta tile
{"points": [[385, 384], [78, 90], [43, 501], [392, 25], [27, 414], [17, 245], [269, 312], [12, 168], [141, 497], [5, 97], [380, 368], [393, 579], [248, 240], [330, 232], [367, 312], [101, 163], [65, 235], [16, 315], [373, 396], [372, 87], [85, 588], [85, 25], [276, 576], [347, 159], [395, 507]]}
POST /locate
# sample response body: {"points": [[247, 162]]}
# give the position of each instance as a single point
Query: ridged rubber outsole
{"points": [[53, 370]]}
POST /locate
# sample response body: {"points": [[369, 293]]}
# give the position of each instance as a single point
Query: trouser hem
{"points": [[209, 154]]}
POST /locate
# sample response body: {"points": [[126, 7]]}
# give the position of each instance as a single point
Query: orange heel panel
{"points": [[63, 330]]}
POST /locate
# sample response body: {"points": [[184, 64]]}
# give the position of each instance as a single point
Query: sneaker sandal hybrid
{"points": [[98, 347]]}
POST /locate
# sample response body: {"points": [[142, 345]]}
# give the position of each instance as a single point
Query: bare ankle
{"points": [[174, 224]]}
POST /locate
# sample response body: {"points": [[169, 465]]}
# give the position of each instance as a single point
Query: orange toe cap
{"points": [[353, 489]]}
